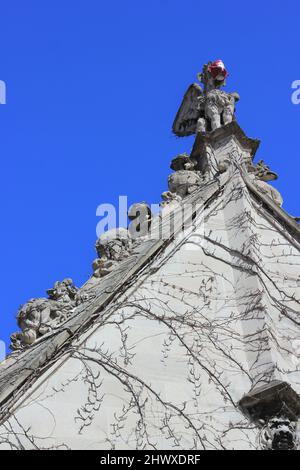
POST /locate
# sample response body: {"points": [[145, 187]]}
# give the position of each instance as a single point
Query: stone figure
{"points": [[207, 109], [140, 216], [185, 180], [260, 175], [279, 434], [112, 247], [40, 316]]}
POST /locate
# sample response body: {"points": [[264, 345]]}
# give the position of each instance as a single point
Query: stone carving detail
{"points": [[224, 163], [276, 407], [205, 110], [40, 316], [112, 247], [168, 197], [260, 174], [279, 434], [140, 216], [185, 180]]}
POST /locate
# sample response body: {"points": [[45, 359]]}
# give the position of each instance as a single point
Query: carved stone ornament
{"points": [[140, 216], [260, 175], [276, 408], [40, 316], [112, 247], [279, 434], [205, 110], [185, 180]]}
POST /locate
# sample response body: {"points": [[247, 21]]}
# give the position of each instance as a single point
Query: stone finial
{"points": [[205, 110]]}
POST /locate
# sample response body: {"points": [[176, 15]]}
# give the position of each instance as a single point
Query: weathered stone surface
{"points": [[202, 316], [41, 316], [185, 180], [260, 175], [187, 319], [275, 398], [95, 295], [168, 198], [211, 149], [279, 434], [112, 247], [140, 217]]}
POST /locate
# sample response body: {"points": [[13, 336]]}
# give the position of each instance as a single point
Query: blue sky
{"points": [[92, 90]]}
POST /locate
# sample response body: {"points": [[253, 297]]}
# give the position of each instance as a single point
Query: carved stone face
{"points": [[283, 434], [280, 434]]}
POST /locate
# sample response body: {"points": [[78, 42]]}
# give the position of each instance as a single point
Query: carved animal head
{"points": [[213, 74], [280, 434]]}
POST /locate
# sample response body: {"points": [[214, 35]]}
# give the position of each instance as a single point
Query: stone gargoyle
{"points": [[206, 109], [40, 316], [279, 434], [112, 247]]}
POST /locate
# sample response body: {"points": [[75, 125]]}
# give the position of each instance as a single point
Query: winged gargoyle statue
{"points": [[208, 108]]}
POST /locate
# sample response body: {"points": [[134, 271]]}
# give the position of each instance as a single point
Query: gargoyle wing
{"points": [[189, 112]]}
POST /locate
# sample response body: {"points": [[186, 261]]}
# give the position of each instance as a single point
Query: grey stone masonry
{"points": [[186, 335]]}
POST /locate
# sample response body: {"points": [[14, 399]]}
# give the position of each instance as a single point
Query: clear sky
{"points": [[92, 90]]}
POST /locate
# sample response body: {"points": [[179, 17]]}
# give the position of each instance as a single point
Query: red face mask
{"points": [[217, 69]]}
